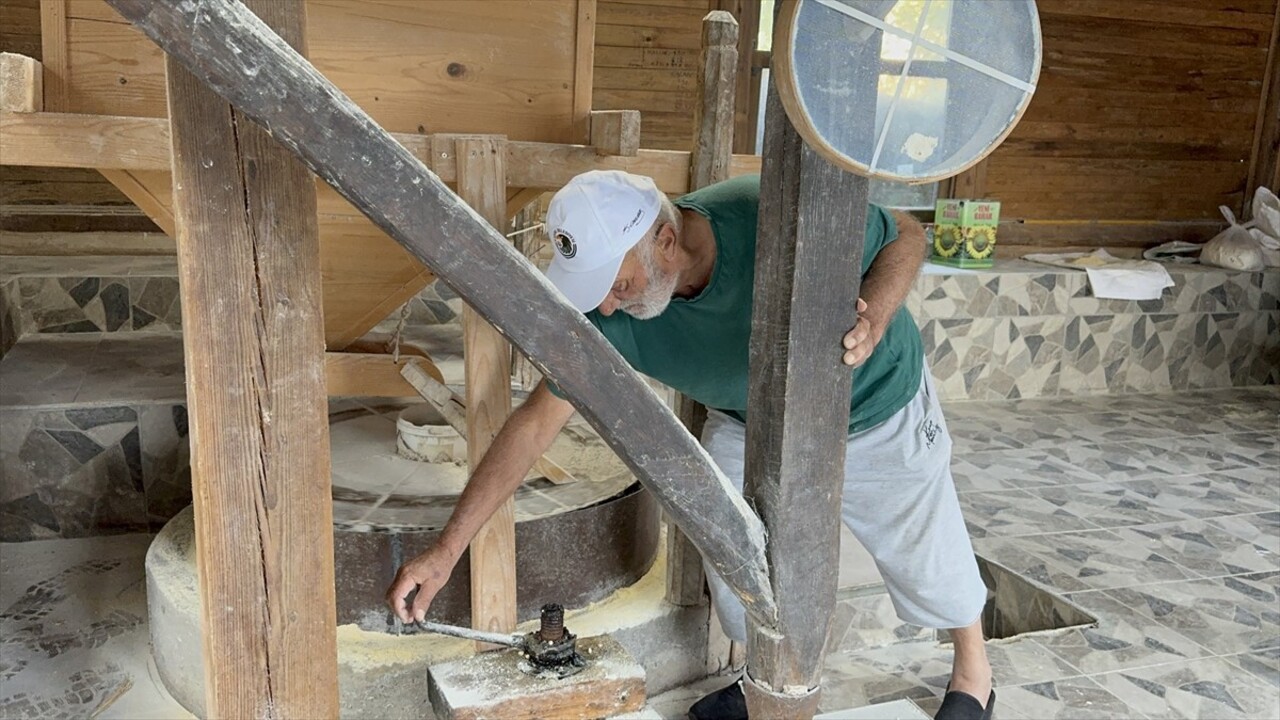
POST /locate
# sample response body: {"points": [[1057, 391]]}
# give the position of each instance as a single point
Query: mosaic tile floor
{"points": [[1159, 514]]}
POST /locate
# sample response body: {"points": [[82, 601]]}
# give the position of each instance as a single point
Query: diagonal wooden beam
{"points": [[240, 58]]}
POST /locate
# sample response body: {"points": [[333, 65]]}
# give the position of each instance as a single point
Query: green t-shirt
{"points": [[700, 346]]}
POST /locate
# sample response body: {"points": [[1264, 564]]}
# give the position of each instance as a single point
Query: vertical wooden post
{"points": [[1264, 164], [708, 164], [253, 338], [482, 183], [53, 54], [808, 268]]}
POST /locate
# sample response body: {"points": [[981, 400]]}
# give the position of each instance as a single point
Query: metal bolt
{"points": [[552, 628]]}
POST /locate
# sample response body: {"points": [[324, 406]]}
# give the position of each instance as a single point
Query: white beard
{"points": [[657, 295]]}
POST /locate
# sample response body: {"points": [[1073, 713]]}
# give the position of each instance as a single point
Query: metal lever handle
{"points": [[516, 641]]}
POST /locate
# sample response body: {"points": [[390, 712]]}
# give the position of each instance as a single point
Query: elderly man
{"points": [[670, 285]]}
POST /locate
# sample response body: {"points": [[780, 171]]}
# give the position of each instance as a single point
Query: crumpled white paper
{"points": [[1111, 277]]}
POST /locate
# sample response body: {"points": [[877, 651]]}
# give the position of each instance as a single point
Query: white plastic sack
{"points": [[1233, 248]]}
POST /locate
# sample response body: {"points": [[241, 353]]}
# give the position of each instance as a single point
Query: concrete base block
{"points": [[491, 685]]}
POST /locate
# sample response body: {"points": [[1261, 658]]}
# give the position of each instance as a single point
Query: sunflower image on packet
{"points": [[964, 232]]}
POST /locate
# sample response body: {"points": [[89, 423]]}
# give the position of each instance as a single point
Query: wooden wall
{"points": [[1147, 116], [646, 59], [1146, 111], [54, 199]]}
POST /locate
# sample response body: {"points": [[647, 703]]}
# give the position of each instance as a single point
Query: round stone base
{"points": [[382, 675]]}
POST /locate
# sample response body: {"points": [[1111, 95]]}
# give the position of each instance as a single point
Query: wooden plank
{"points": [[354, 374], [21, 84], [646, 37], [309, 116], [249, 268], [482, 184], [1041, 234], [53, 41], [811, 233], [679, 101], [646, 58], [85, 243], [87, 141], [140, 193], [616, 132], [686, 15], [1199, 16], [709, 164], [1264, 162], [679, 80], [128, 143], [519, 200], [584, 68]]}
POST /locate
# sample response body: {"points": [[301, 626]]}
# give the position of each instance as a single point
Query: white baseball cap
{"points": [[592, 222]]}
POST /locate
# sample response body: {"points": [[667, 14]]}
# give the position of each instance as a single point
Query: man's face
{"points": [[644, 287]]}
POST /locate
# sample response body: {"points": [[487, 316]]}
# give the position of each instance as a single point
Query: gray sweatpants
{"points": [[899, 501]]}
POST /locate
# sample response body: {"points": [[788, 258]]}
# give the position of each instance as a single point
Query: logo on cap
{"points": [[565, 244]]}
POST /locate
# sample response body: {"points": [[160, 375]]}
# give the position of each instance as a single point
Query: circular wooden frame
{"points": [[784, 80]]}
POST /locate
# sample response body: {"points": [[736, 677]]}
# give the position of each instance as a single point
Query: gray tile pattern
{"points": [[1158, 514], [1034, 332]]}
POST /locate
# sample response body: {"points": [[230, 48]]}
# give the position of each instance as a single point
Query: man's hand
{"points": [[862, 339], [428, 572]]}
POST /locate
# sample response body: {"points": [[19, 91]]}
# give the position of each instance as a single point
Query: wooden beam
{"points": [[709, 164], [302, 110], [253, 339], [808, 257], [520, 199], [21, 84], [712, 154], [616, 132], [356, 374], [86, 243], [482, 183], [584, 67], [136, 143], [1264, 164], [53, 54], [128, 183]]}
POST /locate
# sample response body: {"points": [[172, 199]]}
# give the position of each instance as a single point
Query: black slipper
{"points": [[958, 705], [724, 704]]}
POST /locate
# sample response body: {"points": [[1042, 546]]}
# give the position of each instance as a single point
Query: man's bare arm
{"points": [[524, 437], [885, 287]]}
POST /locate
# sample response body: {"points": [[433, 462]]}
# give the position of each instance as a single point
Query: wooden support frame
{"points": [[709, 164], [21, 84], [253, 338], [808, 261], [46, 139], [277, 88], [482, 183]]}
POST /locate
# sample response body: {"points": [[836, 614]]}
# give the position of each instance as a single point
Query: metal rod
{"points": [[469, 634]]}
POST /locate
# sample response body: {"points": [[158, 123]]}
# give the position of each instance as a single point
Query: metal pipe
{"points": [[469, 634]]}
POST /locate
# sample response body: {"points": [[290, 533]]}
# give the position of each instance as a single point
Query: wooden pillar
{"points": [[482, 183], [808, 268], [1264, 165], [708, 164], [253, 338]]}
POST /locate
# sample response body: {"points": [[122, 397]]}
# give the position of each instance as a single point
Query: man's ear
{"points": [[667, 240]]}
